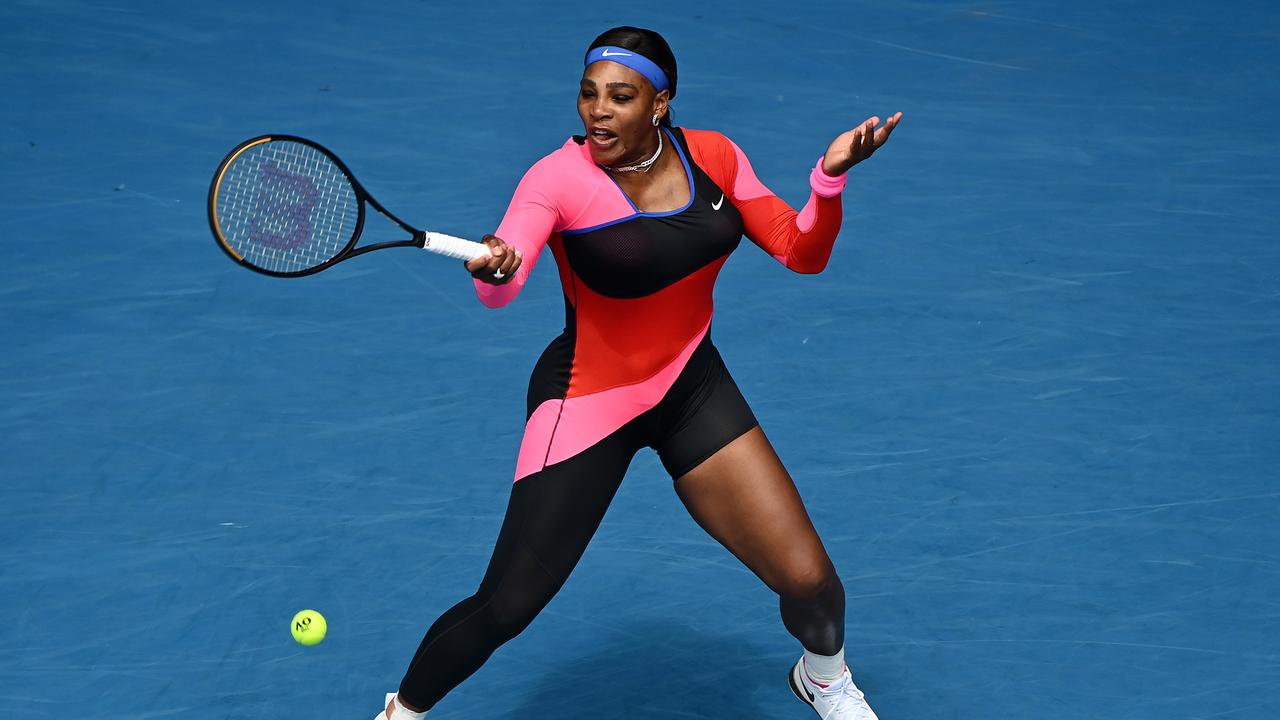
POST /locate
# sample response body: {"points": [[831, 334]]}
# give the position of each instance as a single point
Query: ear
{"points": [[660, 103]]}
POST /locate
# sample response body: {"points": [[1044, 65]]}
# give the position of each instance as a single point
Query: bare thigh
{"points": [[744, 498]]}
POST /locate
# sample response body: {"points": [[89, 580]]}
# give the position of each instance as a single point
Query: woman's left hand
{"points": [[857, 145]]}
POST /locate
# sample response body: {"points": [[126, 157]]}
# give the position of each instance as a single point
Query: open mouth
{"points": [[602, 138]]}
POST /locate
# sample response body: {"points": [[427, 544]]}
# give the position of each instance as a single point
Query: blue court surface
{"points": [[1032, 404]]}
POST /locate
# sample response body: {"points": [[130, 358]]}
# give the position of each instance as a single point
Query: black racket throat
{"points": [[418, 239]]}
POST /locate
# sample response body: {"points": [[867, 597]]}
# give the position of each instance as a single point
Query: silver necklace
{"points": [[640, 166]]}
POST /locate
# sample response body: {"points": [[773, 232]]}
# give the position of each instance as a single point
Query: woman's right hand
{"points": [[499, 266]]}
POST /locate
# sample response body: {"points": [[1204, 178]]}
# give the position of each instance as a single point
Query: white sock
{"points": [[404, 713], [824, 669]]}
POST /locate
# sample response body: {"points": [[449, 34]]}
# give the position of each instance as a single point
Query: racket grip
{"points": [[454, 247]]}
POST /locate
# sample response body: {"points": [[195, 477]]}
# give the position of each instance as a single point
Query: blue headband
{"points": [[633, 60]]}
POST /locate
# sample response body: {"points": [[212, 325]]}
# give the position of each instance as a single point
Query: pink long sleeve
{"points": [[560, 192], [530, 219]]}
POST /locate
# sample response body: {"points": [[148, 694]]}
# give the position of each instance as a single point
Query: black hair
{"points": [[649, 44]]}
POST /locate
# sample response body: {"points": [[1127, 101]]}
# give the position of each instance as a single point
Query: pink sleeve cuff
{"points": [[824, 185], [496, 296]]}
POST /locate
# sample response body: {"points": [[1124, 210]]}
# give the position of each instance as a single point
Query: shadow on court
{"points": [[679, 672]]}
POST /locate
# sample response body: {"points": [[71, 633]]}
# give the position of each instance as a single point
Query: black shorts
{"points": [[701, 413]]}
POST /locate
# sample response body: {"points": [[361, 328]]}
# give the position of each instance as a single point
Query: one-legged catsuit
{"points": [[634, 367]]}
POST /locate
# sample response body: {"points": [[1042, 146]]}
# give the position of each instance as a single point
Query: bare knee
{"points": [[806, 579]]}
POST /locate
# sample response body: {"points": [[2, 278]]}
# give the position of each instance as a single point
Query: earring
{"points": [[655, 120]]}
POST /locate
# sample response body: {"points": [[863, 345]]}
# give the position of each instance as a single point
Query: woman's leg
{"points": [[744, 498], [550, 519]]}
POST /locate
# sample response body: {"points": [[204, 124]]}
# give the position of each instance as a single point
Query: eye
{"points": [[621, 98]]}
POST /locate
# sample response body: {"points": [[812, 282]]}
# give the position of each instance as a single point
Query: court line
{"points": [[1155, 506], [930, 53]]}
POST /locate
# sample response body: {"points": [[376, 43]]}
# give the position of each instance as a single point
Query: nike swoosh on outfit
{"points": [[716, 205]]}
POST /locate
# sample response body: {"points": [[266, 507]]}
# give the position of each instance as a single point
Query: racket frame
{"points": [[419, 239]]}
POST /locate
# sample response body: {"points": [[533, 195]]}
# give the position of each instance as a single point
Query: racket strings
{"points": [[286, 206]]}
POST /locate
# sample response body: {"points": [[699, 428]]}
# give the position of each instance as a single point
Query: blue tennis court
{"points": [[1032, 404]]}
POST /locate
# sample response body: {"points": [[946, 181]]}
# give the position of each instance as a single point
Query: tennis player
{"points": [[640, 216]]}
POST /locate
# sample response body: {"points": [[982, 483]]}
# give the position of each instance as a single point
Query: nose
{"points": [[599, 109]]}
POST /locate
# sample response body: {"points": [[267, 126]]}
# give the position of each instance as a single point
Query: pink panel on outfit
{"points": [[561, 428], [602, 202], [536, 444], [746, 186], [562, 191], [807, 217]]}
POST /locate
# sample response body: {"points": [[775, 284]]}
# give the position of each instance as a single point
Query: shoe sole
{"points": [[793, 682], [795, 688]]}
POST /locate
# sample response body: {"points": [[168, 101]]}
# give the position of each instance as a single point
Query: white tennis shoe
{"points": [[400, 712], [841, 700]]}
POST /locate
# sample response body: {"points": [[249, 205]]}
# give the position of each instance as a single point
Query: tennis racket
{"points": [[285, 206]]}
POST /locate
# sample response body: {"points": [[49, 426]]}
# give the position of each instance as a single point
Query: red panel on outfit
{"points": [[626, 340], [801, 241]]}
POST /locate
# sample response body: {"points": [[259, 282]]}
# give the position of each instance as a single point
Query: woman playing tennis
{"points": [[640, 216]]}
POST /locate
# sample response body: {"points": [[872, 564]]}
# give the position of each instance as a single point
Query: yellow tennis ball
{"points": [[309, 627]]}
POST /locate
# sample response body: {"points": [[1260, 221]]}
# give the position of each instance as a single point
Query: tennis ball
{"points": [[309, 627]]}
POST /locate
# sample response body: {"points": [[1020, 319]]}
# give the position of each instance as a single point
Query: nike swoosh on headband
{"points": [[641, 64]]}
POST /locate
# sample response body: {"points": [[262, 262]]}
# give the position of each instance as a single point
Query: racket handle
{"points": [[454, 247]]}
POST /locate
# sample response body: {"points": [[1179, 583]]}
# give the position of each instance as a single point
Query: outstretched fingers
{"points": [[882, 135], [853, 146], [864, 139]]}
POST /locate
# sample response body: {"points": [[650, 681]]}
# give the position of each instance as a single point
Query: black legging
{"points": [[553, 514]]}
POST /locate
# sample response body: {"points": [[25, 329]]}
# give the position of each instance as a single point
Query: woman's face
{"points": [[617, 105]]}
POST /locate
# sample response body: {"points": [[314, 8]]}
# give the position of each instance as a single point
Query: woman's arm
{"points": [[802, 241], [530, 219]]}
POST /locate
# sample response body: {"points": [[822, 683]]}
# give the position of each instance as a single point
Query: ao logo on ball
{"points": [[309, 627]]}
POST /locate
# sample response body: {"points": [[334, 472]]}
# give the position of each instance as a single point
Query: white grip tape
{"points": [[454, 247]]}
